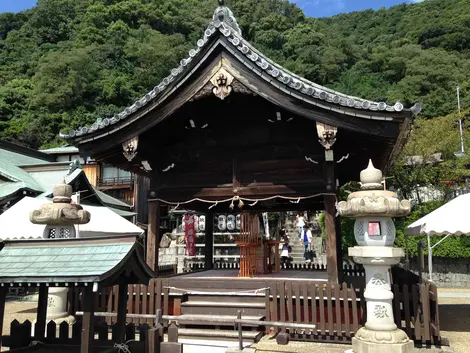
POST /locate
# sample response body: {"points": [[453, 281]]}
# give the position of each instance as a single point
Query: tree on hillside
{"points": [[417, 165], [65, 63]]}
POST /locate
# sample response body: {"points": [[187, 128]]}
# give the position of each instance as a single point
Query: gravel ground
{"points": [[19, 310], [453, 290]]}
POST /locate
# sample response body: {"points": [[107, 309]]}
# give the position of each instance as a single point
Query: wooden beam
{"points": [[209, 241], [121, 312], [3, 294], [153, 234], [182, 193], [330, 225], [339, 250], [88, 321], [40, 327]]}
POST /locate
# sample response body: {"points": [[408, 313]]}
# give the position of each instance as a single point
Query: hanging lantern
{"points": [[202, 223], [222, 222], [231, 222]]}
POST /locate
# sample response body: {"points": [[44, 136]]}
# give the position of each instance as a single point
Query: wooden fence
{"points": [[21, 335], [338, 311]]}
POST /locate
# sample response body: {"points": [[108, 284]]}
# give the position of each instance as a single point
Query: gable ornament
{"points": [[222, 84], [326, 135], [130, 148]]}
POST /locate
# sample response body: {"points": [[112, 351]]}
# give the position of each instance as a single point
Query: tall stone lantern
{"points": [[59, 218], [373, 208]]}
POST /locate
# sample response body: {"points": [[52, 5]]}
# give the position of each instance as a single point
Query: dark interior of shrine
{"points": [[211, 146]]}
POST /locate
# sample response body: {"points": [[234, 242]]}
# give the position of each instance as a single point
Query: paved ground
{"points": [[454, 311]]}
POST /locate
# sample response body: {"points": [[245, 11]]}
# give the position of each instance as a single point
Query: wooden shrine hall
{"points": [[229, 126]]}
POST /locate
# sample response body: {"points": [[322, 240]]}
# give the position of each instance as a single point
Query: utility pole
{"points": [[462, 149]]}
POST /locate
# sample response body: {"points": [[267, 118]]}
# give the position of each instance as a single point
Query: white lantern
{"points": [[239, 221], [222, 222], [202, 223], [231, 222]]}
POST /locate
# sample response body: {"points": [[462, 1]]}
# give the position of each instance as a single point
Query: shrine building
{"points": [[228, 126]]}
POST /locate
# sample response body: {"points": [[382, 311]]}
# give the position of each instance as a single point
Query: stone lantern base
{"points": [[380, 334], [368, 341]]}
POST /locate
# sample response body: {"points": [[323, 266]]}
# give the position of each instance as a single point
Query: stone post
{"points": [[59, 218], [374, 230]]}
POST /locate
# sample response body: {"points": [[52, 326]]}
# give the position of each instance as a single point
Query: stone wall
{"points": [[446, 273]]}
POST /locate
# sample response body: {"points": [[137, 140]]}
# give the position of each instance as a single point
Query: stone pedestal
{"points": [[380, 333], [57, 306]]}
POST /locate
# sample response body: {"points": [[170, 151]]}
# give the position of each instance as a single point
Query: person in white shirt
{"points": [[307, 241], [300, 224]]}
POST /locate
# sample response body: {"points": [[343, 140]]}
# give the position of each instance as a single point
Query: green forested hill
{"points": [[66, 62]]}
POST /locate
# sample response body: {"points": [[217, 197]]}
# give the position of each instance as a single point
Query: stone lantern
{"points": [[59, 218], [374, 230]]}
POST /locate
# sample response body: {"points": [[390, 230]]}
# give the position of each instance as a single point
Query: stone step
{"points": [[222, 307], [226, 298]]}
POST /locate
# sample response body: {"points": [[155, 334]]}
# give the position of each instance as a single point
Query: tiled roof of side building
{"points": [[16, 179], [61, 150]]}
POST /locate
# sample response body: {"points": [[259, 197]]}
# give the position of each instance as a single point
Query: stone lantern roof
{"points": [[373, 199], [61, 211]]}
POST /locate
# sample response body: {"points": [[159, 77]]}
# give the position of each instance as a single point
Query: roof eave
{"points": [[291, 81]]}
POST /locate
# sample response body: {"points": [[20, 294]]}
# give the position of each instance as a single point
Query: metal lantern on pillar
{"points": [[374, 230]]}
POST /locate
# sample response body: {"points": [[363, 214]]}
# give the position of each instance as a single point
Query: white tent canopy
{"points": [[449, 219], [15, 223]]}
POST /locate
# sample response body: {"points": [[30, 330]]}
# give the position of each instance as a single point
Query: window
{"points": [[59, 232], [114, 173], [374, 229]]}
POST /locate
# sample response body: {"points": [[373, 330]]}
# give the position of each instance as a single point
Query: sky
{"points": [[315, 8]]}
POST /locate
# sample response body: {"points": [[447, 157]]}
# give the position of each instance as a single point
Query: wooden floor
{"points": [[283, 275]]}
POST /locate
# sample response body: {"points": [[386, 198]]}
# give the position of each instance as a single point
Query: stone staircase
{"points": [[198, 310]]}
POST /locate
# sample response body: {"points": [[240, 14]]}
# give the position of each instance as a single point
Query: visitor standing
{"points": [[285, 245], [300, 224], [307, 241]]}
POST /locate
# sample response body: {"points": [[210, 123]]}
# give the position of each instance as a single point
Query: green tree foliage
{"points": [[430, 136], [65, 63]]}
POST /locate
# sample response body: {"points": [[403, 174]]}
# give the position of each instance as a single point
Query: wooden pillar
{"points": [[121, 312], [330, 222], [153, 234], [40, 327], [209, 242], [88, 323], [339, 250], [3, 294]]}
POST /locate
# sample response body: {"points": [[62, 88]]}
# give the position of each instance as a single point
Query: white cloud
{"points": [[415, 1]]}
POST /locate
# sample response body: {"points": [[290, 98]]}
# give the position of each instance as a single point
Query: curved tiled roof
{"points": [[224, 22]]}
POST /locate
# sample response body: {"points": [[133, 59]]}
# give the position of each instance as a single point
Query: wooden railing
{"points": [[416, 311], [338, 311], [129, 180]]}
